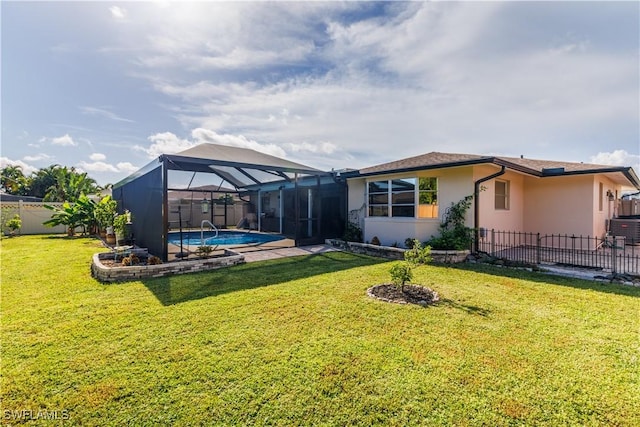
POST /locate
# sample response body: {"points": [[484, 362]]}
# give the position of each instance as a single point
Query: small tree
{"points": [[401, 273]]}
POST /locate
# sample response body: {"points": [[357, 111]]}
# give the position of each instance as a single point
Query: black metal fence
{"points": [[608, 253]]}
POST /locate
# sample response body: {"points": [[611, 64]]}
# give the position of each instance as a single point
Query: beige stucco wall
{"points": [[453, 185], [552, 204], [357, 193], [608, 207], [500, 219]]}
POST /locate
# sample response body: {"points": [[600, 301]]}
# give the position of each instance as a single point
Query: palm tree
{"points": [[70, 185], [42, 180], [12, 180]]}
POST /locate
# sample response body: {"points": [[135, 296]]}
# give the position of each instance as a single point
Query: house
{"points": [[409, 197]]}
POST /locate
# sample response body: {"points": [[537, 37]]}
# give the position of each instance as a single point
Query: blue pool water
{"points": [[224, 238]]}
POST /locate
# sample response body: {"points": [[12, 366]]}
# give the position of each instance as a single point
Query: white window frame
{"points": [[505, 197], [390, 205]]}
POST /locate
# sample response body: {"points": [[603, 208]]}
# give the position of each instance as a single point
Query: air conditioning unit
{"points": [[629, 207], [628, 228]]}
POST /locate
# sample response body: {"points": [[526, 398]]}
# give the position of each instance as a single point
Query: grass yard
{"points": [[298, 342]]}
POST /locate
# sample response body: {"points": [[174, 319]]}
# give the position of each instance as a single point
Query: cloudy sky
{"points": [[106, 87]]}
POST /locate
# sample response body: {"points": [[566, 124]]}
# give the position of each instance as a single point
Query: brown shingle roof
{"points": [[424, 160], [443, 160], [437, 160], [540, 165]]}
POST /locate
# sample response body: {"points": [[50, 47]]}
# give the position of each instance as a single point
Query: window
{"points": [[397, 198], [502, 195], [378, 198], [428, 198], [403, 197], [601, 197]]}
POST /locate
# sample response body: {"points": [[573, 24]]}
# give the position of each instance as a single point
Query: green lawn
{"points": [[298, 342]]}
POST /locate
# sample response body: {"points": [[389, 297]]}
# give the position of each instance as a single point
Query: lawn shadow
{"points": [[181, 288], [470, 309], [550, 278]]}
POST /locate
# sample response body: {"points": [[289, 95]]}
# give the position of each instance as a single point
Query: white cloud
{"points": [[118, 12], [126, 167], [100, 166], [208, 136], [27, 169], [97, 157], [165, 143], [320, 147], [64, 141], [104, 113], [97, 167], [617, 158], [39, 156], [425, 76]]}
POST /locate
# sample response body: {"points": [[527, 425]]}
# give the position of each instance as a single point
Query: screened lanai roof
{"points": [[240, 167]]}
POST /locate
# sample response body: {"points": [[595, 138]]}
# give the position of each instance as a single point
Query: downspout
{"points": [[476, 205]]}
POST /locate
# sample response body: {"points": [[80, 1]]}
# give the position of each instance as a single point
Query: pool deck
{"points": [[264, 251], [275, 253]]}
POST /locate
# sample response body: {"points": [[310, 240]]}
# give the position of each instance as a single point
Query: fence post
{"points": [[493, 241], [21, 213], [538, 249], [614, 256]]}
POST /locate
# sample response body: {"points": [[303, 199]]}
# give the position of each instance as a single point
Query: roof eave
{"points": [[359, 174]]}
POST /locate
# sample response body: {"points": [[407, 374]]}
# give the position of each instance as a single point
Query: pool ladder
{"points": [[204, 221]]}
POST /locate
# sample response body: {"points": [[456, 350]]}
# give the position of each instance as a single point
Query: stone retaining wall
{"points": [[446, 257], [137, 272]]}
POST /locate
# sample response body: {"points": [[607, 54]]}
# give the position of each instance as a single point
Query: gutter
{"points": [[476, 203]]}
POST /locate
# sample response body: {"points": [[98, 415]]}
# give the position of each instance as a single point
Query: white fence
{"points": [[32, 214], [192, 215]]}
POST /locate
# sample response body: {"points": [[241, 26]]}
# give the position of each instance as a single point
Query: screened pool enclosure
{"points": [[229, 187]]}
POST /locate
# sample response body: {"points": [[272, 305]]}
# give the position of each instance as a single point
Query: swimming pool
{"points": [[224, 238]]}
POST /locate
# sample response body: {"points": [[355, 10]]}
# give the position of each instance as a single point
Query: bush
{"points": [[14, 224], [352, 233], [154, 260], [417, 255], [409, 242], [204, 251], [130, 260], [375, 241], [454, 234]]}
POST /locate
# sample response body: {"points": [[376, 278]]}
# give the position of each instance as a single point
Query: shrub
{"points": [[409, 242], [204, 251], [72, 215], [105, 211], [417, 255], [375, 241], [454, 234], [401, 273], [130, 260], [154, 260], [14, 223], [352, 233]]}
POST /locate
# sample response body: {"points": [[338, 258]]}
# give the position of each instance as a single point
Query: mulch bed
{"points": [[413, 294]]}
